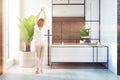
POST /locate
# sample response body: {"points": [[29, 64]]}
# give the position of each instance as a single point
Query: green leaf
{"points": [[83, 31], [24, 33], [26, 26]]}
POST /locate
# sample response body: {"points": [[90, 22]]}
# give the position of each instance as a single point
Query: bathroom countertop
{"points": [[75, 45]]}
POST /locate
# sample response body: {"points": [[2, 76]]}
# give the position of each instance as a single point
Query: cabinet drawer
{"points": [[71, 54], [60, 1], [76, 1]]}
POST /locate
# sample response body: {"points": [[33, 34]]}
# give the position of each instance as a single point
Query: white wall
{"points": [[109, 30], [13, 29], [13, 32], [29, 7]]}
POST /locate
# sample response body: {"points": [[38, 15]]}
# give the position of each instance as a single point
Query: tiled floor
{"points": [[58, 72]]}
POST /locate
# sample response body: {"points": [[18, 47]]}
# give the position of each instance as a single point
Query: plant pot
{"points": [[81, 41], [27, 59], [85, 39]]}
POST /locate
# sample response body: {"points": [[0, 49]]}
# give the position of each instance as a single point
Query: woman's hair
{"points": [[40, 22]]}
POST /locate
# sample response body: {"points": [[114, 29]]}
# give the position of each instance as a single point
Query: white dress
{"points": [[38, 36]]}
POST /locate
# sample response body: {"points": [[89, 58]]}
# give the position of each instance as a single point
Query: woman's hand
{"points": [[44, 14], [41, 10]]}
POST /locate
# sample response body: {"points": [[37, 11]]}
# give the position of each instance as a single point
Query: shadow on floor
{"points": [[62, 65]]}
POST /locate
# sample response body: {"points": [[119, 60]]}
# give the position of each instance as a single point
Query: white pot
{"points": [[27, 59], [82, 41]]}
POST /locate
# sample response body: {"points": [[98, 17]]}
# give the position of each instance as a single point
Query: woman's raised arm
{"points": [[44, 14], [38, 15]]}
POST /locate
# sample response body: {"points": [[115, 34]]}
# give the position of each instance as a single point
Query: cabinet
{"points": [[73, 53], [60, 1], [68, 11], [68, 1], [76, 1]]}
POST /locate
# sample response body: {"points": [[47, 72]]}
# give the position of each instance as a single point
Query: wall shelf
{"points": [[68, 4], [64, 26], [89, 16]]}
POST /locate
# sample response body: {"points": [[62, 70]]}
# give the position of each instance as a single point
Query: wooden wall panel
{"points": [[1, 67], [66, 29]]}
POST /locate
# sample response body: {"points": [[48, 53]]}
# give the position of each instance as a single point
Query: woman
{"points": [[38, 37]]}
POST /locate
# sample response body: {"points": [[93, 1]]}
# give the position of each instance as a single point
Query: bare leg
{"points": [[37, 49], [42, 58], [39, 57]]}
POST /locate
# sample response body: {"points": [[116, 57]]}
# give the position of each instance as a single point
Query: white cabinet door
{"points": [[71, 54], [76, 1], [68, 11], [102, 54], [92, 9], [60, 1]]}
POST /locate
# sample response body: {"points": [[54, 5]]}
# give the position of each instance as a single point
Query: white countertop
{"points": [[75, 45]]}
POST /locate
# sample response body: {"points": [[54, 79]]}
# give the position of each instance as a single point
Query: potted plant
{"points": [[26, 26], [84, 34]]}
